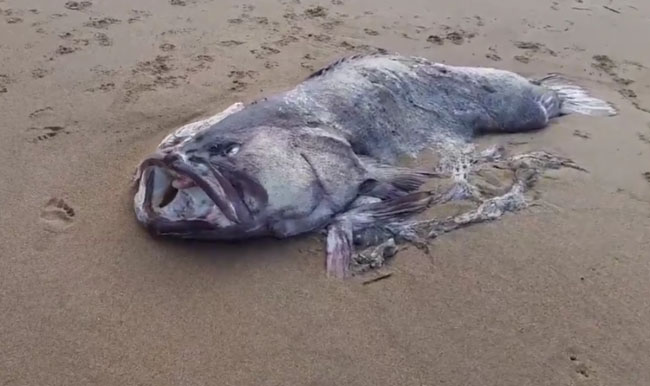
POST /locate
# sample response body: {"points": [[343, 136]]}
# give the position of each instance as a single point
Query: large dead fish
{"points": [[322, 156]]}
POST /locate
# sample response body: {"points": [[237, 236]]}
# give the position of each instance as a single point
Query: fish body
{"points": [[295, 161]]}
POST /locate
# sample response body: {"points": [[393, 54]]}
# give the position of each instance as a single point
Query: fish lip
{"points": [[222, 193], [161, 226], [246, 186]]}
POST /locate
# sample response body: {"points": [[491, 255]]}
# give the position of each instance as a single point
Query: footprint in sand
{"points": [[605, 64], [260, 20], [203, 58], [269, 64], [456, 37], [104, 87], [12, 16], [643, 137], [138, 15], [39, 73], [264, 51], [47, 132], [435, 39], [152, 74], [370, 32], [102, 23], [582, 370], [166, 47], [158, 66], [203, 63], [103, 39], [523, 59], [4, 82], [57, 215], [286, 40], [65, 50], [581, 134], [230, 43], [530, 50], [493, 55], [237, 77], [41, 112], [317, 11], [321, 38], [78, 5]]}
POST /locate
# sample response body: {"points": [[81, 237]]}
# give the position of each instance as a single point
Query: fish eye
{"points": [[232, 149], [224, 150]]}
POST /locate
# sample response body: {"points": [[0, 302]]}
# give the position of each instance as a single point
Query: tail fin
{"points": [[575, 99]]}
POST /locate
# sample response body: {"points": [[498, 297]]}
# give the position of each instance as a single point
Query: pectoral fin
{"points": [[404, 179], [340, 236], [339, 249]]}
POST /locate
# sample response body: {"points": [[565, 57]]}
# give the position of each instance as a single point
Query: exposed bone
{"points": [[374, 257], [526, 167]]}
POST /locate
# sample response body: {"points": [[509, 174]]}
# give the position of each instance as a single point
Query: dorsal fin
{"points": [[333, 65], [368, 51]]}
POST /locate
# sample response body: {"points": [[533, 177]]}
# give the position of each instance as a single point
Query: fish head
{"points": [[224, 185]]}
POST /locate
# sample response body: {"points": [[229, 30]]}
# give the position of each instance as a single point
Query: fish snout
{"points": [[237, 196]]}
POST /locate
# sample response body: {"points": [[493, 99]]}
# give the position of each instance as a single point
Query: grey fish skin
{"points": [[296, 161], [387, 106]]}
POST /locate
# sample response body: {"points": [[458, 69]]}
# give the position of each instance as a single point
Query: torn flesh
{"points": [[379, 239]]}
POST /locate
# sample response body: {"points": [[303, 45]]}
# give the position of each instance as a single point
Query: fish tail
{"points": [[570, 98]]}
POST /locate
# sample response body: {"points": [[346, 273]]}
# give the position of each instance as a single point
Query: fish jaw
{"points": [[176, 197]]}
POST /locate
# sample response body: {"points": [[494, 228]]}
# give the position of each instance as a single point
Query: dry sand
{"points": [[555, 295]]}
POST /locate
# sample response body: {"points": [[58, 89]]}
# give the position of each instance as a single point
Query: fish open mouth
{"points": [[175, 196]]}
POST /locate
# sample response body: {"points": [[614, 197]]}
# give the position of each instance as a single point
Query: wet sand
{"points": [[555, 295]]}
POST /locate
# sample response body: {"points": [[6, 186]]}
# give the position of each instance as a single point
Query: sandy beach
{"points": [[558, 294]]}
